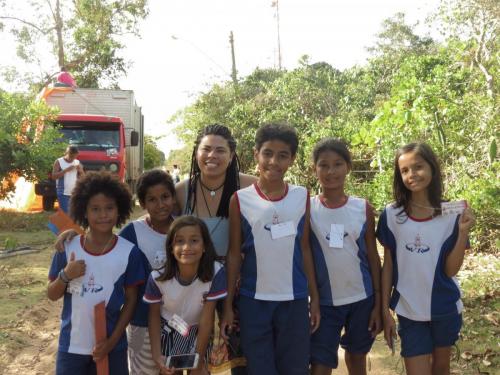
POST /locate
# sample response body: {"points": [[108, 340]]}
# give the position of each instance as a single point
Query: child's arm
{"points": [[389, 323], [314, 312], [375, 324], [154, 329], [205, 328], [73, 269], [455, 258], [233, 264], [102, 348]]}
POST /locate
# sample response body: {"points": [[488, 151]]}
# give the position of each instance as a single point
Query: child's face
{"points": [[102, 213], [331, 170], [159, 202], [213, 155], [415, 172], [188, 246], [273, 159]]}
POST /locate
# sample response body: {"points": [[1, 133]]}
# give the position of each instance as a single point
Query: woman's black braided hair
{"points": [[232, 181]]}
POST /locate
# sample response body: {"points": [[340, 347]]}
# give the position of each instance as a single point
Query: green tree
{"points": [[28, 142], [153, 157], [83, 35]]}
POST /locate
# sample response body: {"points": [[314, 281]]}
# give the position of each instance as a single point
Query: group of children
{"points": [[301, 269]]}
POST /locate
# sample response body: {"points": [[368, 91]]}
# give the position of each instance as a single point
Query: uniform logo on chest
{"points": [[91, 286], [418, 246]]}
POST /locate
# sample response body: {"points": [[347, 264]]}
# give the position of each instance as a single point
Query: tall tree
{"points": [[83, 35]]}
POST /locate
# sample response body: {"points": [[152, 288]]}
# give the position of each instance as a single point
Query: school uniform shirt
{"points": [[418, 247], [106, 277], [272, 269], [67, 182], [186, 301], [153, 247], [342, 274]]}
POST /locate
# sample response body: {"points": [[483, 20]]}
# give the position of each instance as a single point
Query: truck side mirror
{"points": [[134, 138]]}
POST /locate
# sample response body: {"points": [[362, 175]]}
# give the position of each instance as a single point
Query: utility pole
{"points": [[233, 67], [276, 5]]}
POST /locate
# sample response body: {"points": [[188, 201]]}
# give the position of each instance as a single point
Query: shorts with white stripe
{"points": [[140, 360]]}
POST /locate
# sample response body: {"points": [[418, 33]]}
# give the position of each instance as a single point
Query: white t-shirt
{"points": [[67, 182]]}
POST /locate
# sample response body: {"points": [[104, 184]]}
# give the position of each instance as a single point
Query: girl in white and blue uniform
{"points": [[424, 250], [347, 265]]}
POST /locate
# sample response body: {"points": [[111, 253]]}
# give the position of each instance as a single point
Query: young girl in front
{"points": [[424, 250], [94, 267], [347, 265], [184, 294]]}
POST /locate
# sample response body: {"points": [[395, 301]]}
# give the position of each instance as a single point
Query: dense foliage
{"points": [[412, 89], [153, 157]]}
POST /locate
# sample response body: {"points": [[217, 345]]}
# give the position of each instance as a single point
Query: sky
{"points": [[168, 73]]}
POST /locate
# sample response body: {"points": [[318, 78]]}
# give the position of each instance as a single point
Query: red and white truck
{"points": [[107, 126]]}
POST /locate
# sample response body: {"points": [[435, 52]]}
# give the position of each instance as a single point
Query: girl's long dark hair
{"points": [[206, 266], [402, 195], [232, 181]]}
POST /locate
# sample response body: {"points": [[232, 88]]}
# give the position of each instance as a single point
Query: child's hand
{"points": [[467, 221], [226, 324], [101, 350], [67, 235], [74, 268], [201, 369], [160, 363], [314, 314], [375, 322], [389, 330]]}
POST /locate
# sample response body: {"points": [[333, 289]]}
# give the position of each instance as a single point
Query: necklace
{"points": [[212, 191], [276, 218], [105, 246], [205, 200], [422, 206]]}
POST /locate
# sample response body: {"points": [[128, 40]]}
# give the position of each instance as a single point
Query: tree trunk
{"points": [[59, 30]]}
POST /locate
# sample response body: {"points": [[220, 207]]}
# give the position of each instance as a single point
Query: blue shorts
{"points": [[419, 338], [357, 339], [275, 336], [63, 202], [81, 364]]}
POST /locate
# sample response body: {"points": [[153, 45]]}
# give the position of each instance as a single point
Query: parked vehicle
{"points": [[107, 126]]}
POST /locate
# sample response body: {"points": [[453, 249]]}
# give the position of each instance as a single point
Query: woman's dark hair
{"points": [[232, 181], [93, 183], [402, 195], [206, 266], [332, 144], [152, 178], [277, 131]]}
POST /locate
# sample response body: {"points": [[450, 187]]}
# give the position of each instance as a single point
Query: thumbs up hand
{"points": [[74, 268]]}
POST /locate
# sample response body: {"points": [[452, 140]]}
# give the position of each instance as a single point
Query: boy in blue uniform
{"points": [[269, 226]]}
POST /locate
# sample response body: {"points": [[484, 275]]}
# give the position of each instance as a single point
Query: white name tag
{"points": [[179, 324], [450, 208], [337, 236], [282, 230], [75, 287]]}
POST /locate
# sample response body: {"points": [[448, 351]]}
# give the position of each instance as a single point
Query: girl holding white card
{"points": [[183, 295], [347, 265], [425, 241]]}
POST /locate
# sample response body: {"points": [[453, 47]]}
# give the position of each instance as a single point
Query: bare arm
{"points": [[104, 347], [154, 329], [180, 195], [455, 258], [233, 263], [57, 172], [314, 311], [74, 268], [246, 180], [375, 324], [205, 328]]}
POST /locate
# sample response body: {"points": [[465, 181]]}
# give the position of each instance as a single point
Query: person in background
{"points": [[176, 174], [65, 79], [65, 172]]}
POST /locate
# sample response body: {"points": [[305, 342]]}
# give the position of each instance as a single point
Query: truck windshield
{"points": [[91, 136]]}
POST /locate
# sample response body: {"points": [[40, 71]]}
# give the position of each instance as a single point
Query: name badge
{"points": [[179, 324], [337, 236], [450, 208], [284, 229], [75, 288]]}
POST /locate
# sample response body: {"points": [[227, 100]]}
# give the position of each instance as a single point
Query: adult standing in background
{"points": [[214, 177], [65, 172]]}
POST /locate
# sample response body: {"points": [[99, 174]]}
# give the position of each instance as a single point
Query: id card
{"points": [[179, 324], [337, 236], [450, 208], [282, 230]]}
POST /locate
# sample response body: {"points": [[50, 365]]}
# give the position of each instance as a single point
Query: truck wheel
{"points": [[48, 203]]}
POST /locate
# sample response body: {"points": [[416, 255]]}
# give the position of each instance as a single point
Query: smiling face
{"points": [[188, 246], [213, 155], [331, 170], [416, 173], [159, 202], [273, 159], [102, 213]]}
